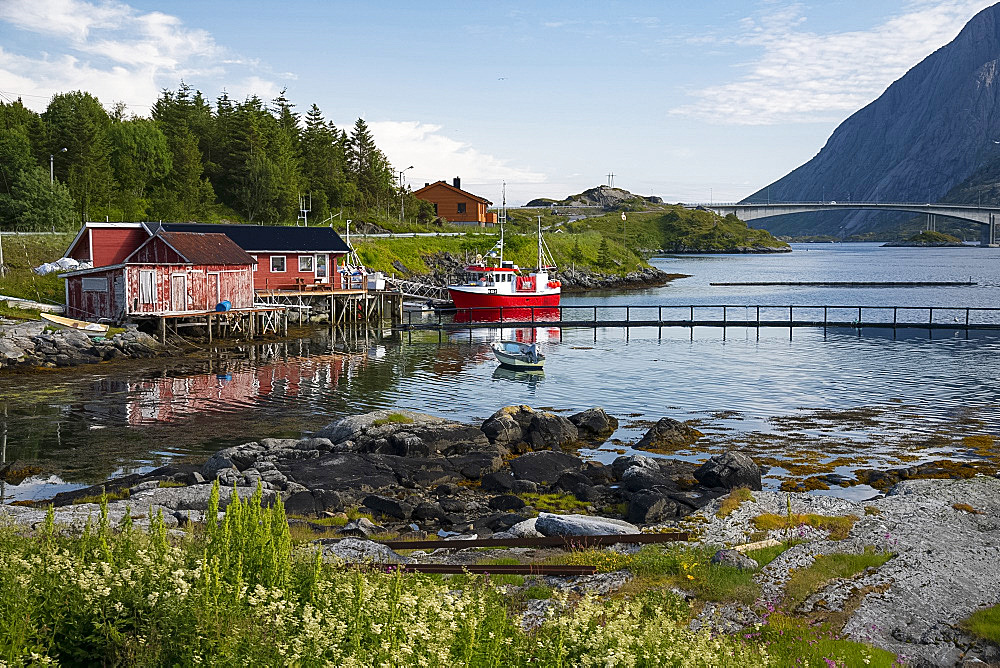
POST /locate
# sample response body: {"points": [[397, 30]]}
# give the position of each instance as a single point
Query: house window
{"points": [[254, 263], [305, 263], [277, 264], [95, 284], [461, 207], [147, 287]]}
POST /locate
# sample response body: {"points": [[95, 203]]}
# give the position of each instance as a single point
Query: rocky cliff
{"points": [[929, 133]]}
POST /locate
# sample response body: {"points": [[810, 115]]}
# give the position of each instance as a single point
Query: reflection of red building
{"points": [[172, 399]]}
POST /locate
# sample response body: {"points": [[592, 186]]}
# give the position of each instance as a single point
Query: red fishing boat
{"points": [[492, 282]]}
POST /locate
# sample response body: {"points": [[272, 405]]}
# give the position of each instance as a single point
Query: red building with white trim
{"points": [[170, 273]]}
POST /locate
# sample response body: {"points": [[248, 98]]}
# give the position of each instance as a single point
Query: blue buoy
{"points": [[224, 305]]}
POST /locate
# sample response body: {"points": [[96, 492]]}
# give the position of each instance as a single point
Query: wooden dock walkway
{"points": [[708, 315]]}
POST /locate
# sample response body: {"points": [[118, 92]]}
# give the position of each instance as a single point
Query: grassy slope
{"points": [[667, 228], [24, 251]]}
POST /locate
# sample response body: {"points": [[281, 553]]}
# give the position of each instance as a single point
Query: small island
{"points": [[927, 239]]}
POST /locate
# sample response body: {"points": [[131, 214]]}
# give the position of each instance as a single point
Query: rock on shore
{"points": [[944, 566], [30, 345]]}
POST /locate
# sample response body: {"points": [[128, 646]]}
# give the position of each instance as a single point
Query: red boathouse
{"points": [[170, 273]]}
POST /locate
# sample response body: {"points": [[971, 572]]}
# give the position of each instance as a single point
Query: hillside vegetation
{"points": [[596, 244]]}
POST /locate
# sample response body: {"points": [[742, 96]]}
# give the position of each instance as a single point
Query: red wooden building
{"points": [[170, 273], [456, 205], [286, 258]]}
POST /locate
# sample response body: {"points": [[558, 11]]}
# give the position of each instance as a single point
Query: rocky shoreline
{"points": [[412, 475], [31, 345]]}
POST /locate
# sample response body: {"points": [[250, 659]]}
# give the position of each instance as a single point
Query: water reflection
{"points": [[530, 378]]}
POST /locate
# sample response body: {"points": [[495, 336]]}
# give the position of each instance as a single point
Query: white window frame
{"points": [[254, 265], [284, 264], [310, 261], [149, 298], [87, 284]]}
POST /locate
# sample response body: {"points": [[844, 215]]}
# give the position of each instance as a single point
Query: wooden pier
{"points": [[245, 322], [709, 315]]}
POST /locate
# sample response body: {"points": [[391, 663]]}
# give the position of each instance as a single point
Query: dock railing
{"points": [[709, 315]]}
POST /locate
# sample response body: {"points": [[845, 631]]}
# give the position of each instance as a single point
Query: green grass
{"points": [[170, 483], [984, 624], [733, 501], [540, 592], [794, 642], [765, 555], [98, 498], [393, 418], [22, 252], [12, 313], [826, 567], [554, 503]]}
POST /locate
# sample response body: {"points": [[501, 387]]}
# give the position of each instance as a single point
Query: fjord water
{"points": [[84, 425]]}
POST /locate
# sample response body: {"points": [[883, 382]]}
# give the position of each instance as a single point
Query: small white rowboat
{"points": [[88, 328], [517, 355]]}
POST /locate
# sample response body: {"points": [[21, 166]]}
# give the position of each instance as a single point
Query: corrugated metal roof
{"points": [[263, 238], [199, 248]]}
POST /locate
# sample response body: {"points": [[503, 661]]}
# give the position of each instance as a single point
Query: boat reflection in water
{"points": [[529, 378], [507, 314]]}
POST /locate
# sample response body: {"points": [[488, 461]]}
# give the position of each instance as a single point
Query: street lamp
{"points": [[52, 168], [401, 192]]}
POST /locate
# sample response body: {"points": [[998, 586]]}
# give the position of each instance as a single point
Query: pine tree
{"points": [[604, 253], [77, 122]]}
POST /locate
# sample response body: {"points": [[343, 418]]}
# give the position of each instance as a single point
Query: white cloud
{"points": [[806, 77], [109, 49], [435, 156]]}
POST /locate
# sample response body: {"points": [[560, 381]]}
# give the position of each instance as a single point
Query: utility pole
{"points": [[401, 172]]}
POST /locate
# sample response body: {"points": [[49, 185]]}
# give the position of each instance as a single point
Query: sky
{"points": [[691, 101]]}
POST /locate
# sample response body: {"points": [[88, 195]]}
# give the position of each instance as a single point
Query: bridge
{"points": [[988, 217]]}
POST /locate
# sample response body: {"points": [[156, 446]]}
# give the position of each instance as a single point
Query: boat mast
{"points": [[503, 219], [539, 243]]}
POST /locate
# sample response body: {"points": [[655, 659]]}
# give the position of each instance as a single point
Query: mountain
{"points": [[933, 135]]}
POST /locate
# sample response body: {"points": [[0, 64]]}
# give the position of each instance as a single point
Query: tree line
{"points": [[190, 161]]}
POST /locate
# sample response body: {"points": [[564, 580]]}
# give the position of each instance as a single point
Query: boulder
{"points": [[726, 557], [594, 422], [302, 503], [373, 432], [428, 511], [506, 427], [357, 550], [548, 430], [544, 467], [506, 502], [729, 470], [621, 464], [501, 481], [651, 507], [500, 522], [384, 505], [639, 478], [668, 434], [347, 471], [549, 524], [475, 465], [363, 527], [525, 529]]}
